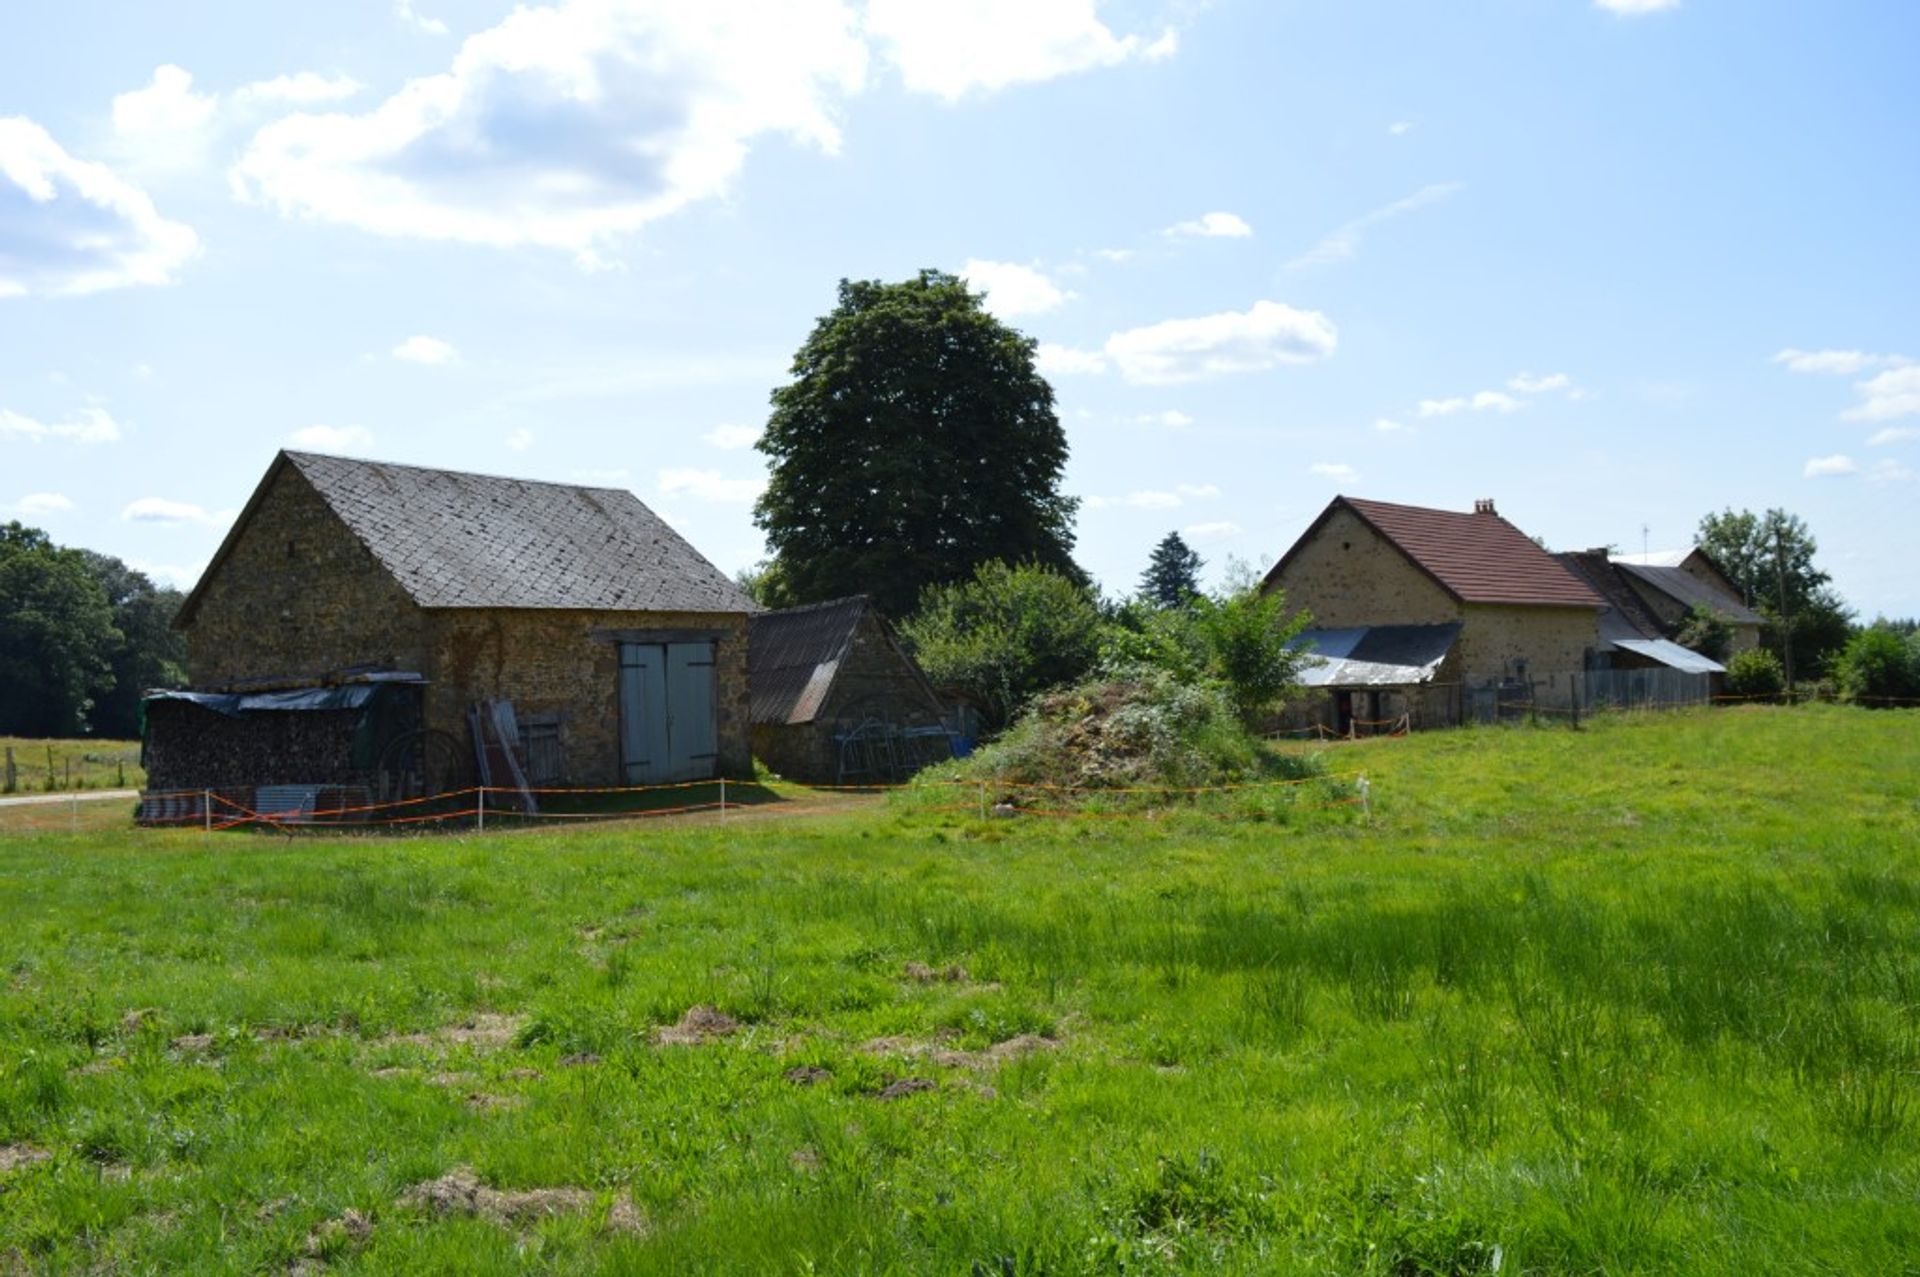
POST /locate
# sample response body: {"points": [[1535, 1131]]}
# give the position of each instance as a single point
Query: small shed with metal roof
{"points": [[836, 699]]}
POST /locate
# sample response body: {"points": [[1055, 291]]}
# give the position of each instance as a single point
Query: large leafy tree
{"points": [[153, 654], [57, 638], [1770, 558], [1173, 573], [915, 442]]}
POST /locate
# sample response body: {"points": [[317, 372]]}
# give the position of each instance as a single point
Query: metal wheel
{"points": [[421, 763]]}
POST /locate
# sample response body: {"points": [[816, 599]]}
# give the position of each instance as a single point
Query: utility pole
{"points": [[1786, 617]]}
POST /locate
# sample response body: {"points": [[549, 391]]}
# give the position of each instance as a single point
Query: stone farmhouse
{"points": [[1634, 634], [387, 600], [1671, 582], [837, 700], [1415, 609]]}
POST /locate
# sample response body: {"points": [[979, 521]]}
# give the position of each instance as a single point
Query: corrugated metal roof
{"points": [[1375, 655], [1477, 558], [794, 655], [457, 540], [1685, 588], [1671, 654]]}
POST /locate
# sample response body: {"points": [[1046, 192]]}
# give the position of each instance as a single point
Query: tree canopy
{"points": [[1770, 556], [1173, 573], [915, 442]]}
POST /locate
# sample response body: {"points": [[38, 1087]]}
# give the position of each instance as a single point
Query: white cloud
{"points": [[1113, 254], [36, 504], [1400, 128], [1634, 8], [332, 438], [1893, 434], [955, 47], [1067, 361], [89, 425], [1844, 363], [303, 88], [569, 125], [612, 478], [180, 576], [1012, 289], [1827, 467], [1156, 499], [404, 10], [733, 438], [1890, 471], [159, 510], [520, 440], [1210, 226], [1333, 470], [1484, 401], [1387, 425], [1345, 242], [166, 106], [1172, 418], [1892, 395], [710, 485], [420, 349], [1528, 384], [1265, 336], [1210, 531], [68, 226]]}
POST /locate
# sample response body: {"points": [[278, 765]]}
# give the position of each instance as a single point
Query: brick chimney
{"points": [[1484, 506]]}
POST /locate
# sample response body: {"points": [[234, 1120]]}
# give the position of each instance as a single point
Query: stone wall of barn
{"points": [[1553, 643], [565, 665], [1670, 611], [298, 596], [1349, 575], [874, 681]]}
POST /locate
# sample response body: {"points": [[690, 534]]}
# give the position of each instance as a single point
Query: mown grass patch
{"points": [[1644, 998]]}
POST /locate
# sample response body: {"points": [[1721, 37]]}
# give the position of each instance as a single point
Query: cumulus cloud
{"points": [[1210, 226], [167, 108], [404, 10], [1891, 395], [1172, 418], [1484, 401], [89, 425], [1528, 384], [710, 485], [1156, 498], [956, 47], [38, 504], [1012, 289], [733, 438], [1844, 363], [1344, 242], [1210, 531], [68, 226], [570, 124], [1893, 434], [1067, 361], [1333, 470], [1387, 426], [332, 438], [1265, 336], [161, 511], [303, 88], [1400, 128], [1829, 467], [1634, 8], [420, 349]]}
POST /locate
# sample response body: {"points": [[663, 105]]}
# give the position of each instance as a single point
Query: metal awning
{"points": [[1670, 654], [341, 696], [1375, 655]]}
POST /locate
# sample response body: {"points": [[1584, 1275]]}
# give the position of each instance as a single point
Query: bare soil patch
{"points": [[700, 1024], [487, 1031], [14, 1156], [999, 1053], [901, 1088], [807, 1075], [460, 1192], [196, 1043], [921, 973]]}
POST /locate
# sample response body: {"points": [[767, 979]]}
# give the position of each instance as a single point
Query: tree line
{"points": [[82, 638]]}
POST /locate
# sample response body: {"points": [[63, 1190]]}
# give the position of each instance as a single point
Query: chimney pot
{"points": [[1484, 506]]}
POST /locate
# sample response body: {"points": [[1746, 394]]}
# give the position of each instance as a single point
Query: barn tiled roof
{"points": [[1477, 558], [457, 540], [1687, 589]]}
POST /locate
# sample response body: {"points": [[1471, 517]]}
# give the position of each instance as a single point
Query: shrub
{"points": [[1705, 631], [1877, 667], [1238, 638], [1755, 672], [1006, 635]]}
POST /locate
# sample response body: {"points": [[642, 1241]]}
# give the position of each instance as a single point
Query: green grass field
{"points": [[1643, 998], [60, 766]]}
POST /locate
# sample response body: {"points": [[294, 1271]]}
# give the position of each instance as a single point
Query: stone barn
{"points": [[622, 651], [1671, 582], [836, 699], [1521, 626]]}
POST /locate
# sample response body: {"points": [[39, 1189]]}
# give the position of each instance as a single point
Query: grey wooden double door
{"points": [[668, 707]]}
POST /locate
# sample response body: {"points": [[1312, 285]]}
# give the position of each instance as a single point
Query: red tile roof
{"points": [[1477, 558]]}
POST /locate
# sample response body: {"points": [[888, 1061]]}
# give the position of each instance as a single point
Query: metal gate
{"points": [[668, 709]]}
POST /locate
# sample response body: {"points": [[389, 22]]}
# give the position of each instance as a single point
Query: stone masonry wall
{"points": [[1350, 575], [1553, 641], [300, 595], [548, 662]]}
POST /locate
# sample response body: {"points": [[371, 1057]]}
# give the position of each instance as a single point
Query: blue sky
{"points": [[1614, 263]]}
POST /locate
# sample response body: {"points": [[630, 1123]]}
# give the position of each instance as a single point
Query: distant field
{"points": [[1643, 998], [55, 766]]}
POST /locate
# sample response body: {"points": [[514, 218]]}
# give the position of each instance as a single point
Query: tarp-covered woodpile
{"points": [[837, 700]]}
